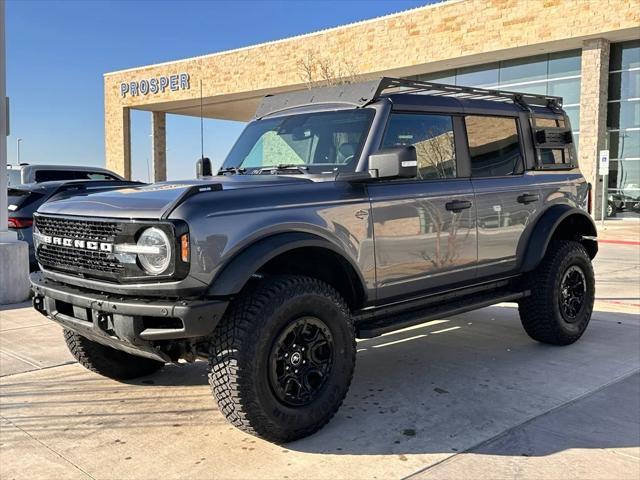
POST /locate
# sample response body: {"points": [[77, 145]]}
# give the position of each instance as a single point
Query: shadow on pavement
{"points": [[443, 387]]}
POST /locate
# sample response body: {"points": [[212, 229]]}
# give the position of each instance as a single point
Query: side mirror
{"points": [[396, 162], [203, 168]]}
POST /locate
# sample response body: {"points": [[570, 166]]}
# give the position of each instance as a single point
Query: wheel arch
{"points": [[292, 253], [560, 222]]}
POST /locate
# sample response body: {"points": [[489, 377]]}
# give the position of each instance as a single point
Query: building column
{"points": [[117, 137], [593, 113], [159, 146]]}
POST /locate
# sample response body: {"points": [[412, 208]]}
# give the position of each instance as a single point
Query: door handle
{"points": [[457, 205], [528, 198]]}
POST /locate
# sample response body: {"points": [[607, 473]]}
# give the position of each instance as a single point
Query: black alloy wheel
{"points": [[573, 289], [300, 361]]}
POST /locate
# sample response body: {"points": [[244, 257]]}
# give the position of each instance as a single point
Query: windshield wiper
{"points": [[235, 170], [284, 166]]}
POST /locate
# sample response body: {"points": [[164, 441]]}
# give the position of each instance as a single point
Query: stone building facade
{"points": [[455, 39]]}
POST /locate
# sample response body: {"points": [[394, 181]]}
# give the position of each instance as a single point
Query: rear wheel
{"points": [[562, 295], [282, 359], [107, 361]]}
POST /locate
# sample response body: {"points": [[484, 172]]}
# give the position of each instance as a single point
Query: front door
{"points": [[424, 228]]}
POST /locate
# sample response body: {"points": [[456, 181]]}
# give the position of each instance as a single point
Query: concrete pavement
{"points": [[586, 438], [467, 397]]}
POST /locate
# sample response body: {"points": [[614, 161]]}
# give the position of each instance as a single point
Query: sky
{"points": [[58, 51]]}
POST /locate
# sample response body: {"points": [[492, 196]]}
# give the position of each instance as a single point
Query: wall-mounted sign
{"points": [[603, 163], [153, 86]]}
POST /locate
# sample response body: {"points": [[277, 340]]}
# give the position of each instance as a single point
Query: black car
{"points": [[25, 199]]}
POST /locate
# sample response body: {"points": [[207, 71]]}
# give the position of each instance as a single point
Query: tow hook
{"points": [[105, 322], [38, 304]]}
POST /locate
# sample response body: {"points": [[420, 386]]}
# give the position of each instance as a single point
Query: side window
{"points": [[432, 135], [51, 175], [96, 176], [555, 156], [494, 146]]}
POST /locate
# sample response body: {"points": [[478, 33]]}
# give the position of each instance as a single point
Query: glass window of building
{"points": [[550, 74], [623, 122], [481, 76], [524, 69]]}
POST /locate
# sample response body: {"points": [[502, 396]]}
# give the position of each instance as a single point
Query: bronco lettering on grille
{"points": [[75, 243]]}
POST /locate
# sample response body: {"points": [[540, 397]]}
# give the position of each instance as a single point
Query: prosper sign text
{"points": [[155, 85]]}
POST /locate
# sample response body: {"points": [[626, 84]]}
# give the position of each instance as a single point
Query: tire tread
{"points": [[537, 312], [234, 341]]}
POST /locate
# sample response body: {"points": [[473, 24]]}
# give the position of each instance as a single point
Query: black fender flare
{"points": [[236, 272], [547, 225]]}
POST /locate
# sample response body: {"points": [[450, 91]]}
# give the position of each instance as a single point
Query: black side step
{"points": [[380, 325]]}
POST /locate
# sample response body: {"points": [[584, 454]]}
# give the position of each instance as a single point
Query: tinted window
{"points": [[554, 156], [494, 146], [97, 176], [432, 135], [52, 175]]}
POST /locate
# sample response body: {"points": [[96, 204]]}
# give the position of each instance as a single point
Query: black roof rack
{"points": [[363, 93], [476, 93]]}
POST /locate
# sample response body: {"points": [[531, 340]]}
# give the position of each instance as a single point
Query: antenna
{"points": [[201, 124]]}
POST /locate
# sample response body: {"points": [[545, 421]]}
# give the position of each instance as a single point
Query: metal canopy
{"points": [[363, 93]]}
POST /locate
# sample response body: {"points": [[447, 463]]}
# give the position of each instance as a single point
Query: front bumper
{"points": [[134, 325]]}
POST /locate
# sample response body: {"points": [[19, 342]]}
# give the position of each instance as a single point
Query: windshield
{"points": [[321, 142], [13, 177]]}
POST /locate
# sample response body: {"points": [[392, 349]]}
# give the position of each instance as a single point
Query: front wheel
{"points": [[282, 359], [562, 295]]}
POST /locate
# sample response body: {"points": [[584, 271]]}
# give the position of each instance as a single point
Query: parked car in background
{"points": [[615, 204], [25, 199], [25, 173]]}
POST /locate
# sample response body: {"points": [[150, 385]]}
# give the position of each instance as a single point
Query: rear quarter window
{"points": [[494, 146]]}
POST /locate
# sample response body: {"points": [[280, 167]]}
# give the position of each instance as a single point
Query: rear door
{"points": [[424, 228], [507, 200]]}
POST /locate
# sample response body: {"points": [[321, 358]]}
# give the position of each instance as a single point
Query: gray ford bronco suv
{"points": [[340, 212]]}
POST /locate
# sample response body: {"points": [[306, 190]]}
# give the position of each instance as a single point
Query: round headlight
{"points": [[155, 251]]}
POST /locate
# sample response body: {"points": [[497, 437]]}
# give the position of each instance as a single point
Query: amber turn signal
{"points": [[184, 247]]}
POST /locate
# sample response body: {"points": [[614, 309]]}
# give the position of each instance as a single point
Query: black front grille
{"points": [[63, 258], [78, 260], [83, 229]]}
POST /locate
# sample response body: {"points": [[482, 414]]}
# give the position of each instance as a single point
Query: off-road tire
{"points": [[540, 313], [107, 361], [241, 350]]}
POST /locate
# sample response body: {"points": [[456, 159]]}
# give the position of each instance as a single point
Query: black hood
{"points": [[151, 201]]}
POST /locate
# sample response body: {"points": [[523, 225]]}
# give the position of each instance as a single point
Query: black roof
{"points": [[409, 92]]}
